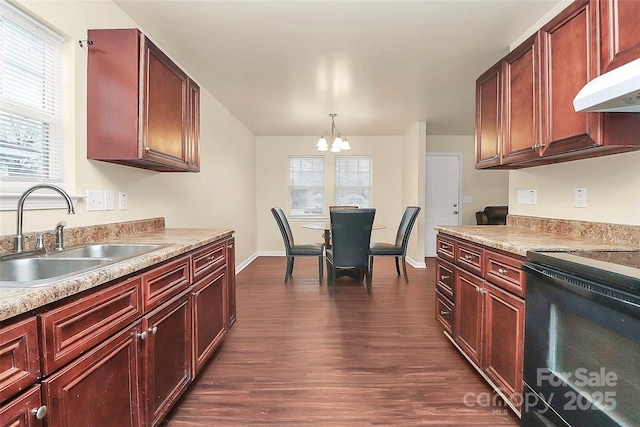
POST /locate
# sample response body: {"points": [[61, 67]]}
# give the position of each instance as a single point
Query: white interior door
{"points": [[442, 201]]}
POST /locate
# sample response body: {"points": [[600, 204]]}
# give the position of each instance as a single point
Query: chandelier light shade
{"points": [[338, 141]]}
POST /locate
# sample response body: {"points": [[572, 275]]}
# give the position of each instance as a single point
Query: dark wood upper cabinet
{"points": [[535, 118], [521, 117], [570, 52], [619, 33], [142, 109], [488, 117]]}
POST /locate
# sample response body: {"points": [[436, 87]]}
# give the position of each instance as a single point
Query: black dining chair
{"points": [[399, 248], [351, 236], [295, 250]]}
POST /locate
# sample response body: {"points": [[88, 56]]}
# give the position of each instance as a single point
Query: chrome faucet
{"points": [[18, 245]]}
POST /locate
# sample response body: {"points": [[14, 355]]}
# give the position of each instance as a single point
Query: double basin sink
{"points": [[41, 269]]}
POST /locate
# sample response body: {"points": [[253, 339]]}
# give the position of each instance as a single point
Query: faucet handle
{"points": [[40, 243]]}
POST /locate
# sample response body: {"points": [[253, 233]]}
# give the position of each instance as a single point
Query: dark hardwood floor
{"points": [[297, 356]]}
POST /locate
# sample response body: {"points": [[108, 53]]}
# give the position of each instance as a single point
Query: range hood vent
{"points": [[615, 91]]}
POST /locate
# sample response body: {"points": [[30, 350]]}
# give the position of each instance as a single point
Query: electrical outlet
{"points": [[123, 201], [527, 197], [109, 200], [580, 197], [95, 200]]}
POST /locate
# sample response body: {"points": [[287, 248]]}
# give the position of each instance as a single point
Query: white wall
{"points": [[612, 183], [485, 187], [222, 195], [414, 142]]}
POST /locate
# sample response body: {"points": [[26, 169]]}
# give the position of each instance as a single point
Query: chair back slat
{"points": [[351, 236], [406, 224], [285, 229]]}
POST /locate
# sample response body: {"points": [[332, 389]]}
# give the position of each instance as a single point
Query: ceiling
{"points": [[280, 67]]}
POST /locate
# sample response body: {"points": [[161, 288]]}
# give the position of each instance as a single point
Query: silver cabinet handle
{"points": [[468, 257], [502, 271], [443, 277], [142, 335], [147, 149], [40, 412], [444, 313], [153, 330]]}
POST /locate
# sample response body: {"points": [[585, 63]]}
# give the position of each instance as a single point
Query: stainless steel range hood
{"points": [[615, 91]]}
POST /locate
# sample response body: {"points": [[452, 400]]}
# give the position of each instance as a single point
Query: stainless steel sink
{"points": [[104, 251], [41, 269]]}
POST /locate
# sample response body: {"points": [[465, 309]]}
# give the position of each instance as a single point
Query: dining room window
{"points": [[306, 186], [31, 86], [353, 181]]}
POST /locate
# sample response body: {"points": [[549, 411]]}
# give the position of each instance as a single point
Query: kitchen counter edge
{"points": [[174, 241]]}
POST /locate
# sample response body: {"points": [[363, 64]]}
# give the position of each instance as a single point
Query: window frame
{"points": [[291, 187], [336, 179], [13, 187]]}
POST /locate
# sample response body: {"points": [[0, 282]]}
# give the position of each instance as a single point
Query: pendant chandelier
{"points": [[338, 142]]}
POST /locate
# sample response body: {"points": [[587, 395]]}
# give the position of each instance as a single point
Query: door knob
{"points": [[455, 205], [455, 212]]}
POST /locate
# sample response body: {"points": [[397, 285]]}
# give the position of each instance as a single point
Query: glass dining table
{"points": [[325, 227]]}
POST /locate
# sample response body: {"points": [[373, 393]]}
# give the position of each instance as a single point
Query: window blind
{"points": [[31, 138]]}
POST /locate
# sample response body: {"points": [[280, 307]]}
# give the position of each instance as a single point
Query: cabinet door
{"points": [[19, 357], [209, 316], [231, 281], [488, 117], [22, 411], [165, 109], [100, 388], [521, 108], [194, 127], [569, 49], [620, 32], [504, 341], [467, 321], [167, 356]]}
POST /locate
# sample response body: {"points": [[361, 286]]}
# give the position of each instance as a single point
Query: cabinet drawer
{"points": [[504, 271], [469, 257], [208, 259], [18, 412], [19, 358], [444, 312], [74, 328], [163, 283], [445, 247], [444, 278]]}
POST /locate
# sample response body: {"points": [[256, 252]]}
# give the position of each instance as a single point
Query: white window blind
{"points": [[353, 181], [306, 186], [31, 140]]}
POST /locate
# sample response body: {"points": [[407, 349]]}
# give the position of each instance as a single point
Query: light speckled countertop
{"points": [[520, 240], [15, 301]]}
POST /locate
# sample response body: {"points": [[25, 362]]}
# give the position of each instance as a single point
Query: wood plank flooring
{"points": [[297, 356]]}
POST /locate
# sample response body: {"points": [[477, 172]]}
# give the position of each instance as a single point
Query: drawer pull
{"points": [[443, 277], [502, 271], [481, 291], [40, 412], [444, 313], [142, 335], [211, 258], [468, 256], [153, 330]]}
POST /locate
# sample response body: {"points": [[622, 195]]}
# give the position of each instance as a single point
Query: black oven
{"points": [[582, 339]]}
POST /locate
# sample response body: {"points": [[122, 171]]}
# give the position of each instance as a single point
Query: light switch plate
{"points": [[123, 201], [109, 200], [580, 197], [527, 197], [95, 200]]}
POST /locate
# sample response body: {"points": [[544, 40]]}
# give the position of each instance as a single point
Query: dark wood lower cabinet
{"points": [[209, 316], [101, 388], [488, 321], [167, 356], [21, 411]]}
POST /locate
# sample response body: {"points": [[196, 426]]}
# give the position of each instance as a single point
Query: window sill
{"points": [[9, 201]]}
